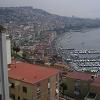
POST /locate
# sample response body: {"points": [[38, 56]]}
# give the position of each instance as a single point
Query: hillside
{"points": [[27, 25], [26, 15]]}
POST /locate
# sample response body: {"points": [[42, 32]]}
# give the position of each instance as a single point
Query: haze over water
{"points": [[81, 40]]}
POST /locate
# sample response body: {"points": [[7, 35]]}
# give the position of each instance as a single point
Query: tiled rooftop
{"points": [[79, 75], [30, 73], [84, 76]]}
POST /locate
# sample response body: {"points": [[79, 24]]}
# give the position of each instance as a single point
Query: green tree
{"points": [[16, 49], [2, 29], [24, 54], [63, 87]]}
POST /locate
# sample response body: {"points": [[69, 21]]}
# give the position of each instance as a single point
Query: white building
{"points": [[4, 90], [8, 47]]}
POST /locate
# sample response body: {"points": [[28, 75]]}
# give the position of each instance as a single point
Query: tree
{"points": [[2, 29], [24, 54], [63, 87], [16, 49]]}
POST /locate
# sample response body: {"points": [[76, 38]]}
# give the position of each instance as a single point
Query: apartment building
{"points": [[8, 48], [95, 89], [82, 86], [33, 82], [4, 48]]}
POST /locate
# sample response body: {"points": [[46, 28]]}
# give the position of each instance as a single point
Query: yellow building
{"points": [[95, 89], [82, 86], [33, 82]]}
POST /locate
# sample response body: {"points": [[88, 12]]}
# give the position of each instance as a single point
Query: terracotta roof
{"points": [[79, 75], [84, 76], [30, 73]]}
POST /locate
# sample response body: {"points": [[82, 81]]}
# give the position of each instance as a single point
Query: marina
{"points": [[81, 50]]}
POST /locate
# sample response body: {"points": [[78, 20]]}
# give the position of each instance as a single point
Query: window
{"points": [[49, 89], [38, 93], [12, 85], [77, 88], [12, 96], [77, 91], [48, 83], [38, 97], [24, 89], [18, 97], [57, 89], [77, 83], [57, 85]]}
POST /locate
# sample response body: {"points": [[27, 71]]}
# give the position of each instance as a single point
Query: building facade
{"points": [[4, 92], [82, 86], [8, 48], [33, 82]]}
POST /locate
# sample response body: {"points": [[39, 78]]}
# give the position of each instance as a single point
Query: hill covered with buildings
{"points": [[43, 19], [27, 23]]}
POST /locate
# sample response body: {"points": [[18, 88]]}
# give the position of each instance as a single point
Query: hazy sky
{"points": [[81, 8]]}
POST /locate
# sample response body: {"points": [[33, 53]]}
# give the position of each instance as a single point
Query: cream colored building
{"points": [[8, 47], [33, 82]]}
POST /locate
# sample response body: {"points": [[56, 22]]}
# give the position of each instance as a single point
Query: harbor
{"points": [[80, 50]]}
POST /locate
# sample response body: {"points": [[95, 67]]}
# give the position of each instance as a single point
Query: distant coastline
{"points": [[90, 38]]}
